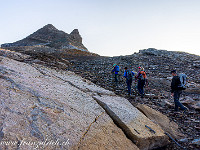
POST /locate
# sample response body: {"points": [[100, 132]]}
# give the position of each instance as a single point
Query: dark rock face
{"points": [[75, 36], [49, 36]]}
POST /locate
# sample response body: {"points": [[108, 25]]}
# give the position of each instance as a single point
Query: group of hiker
{"points": [[141, 79]]}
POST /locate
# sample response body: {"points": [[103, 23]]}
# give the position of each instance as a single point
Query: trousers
{"points": [[141, 84], [177, 103], [129, 83]]}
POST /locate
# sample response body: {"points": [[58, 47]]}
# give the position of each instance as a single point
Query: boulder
{"points": [[190, 102], [166, 102], [141, 130], [43, 111], [158, 118], [196, 141], [196, 105], [187, 100], [193, 90]]}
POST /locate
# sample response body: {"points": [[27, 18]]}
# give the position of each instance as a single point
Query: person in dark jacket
{"points": [[129, 78], [116, 72], [176, 91], [142, 80]]}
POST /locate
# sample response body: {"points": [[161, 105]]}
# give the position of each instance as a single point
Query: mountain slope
{"points": [[158, 65]]}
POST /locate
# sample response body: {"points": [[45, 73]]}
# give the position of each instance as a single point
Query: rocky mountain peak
{"points": [[51, 37], [48, 33], [75, 36], [74, 32], [49, 27]]}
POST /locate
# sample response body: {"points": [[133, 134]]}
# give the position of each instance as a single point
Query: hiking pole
{"points": [[112, 77], [148, 89], [147, 85], [175, 141], [151, 130], [136, 89]]}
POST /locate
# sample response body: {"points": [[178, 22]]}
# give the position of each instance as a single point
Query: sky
{"points": [[108, 27]]}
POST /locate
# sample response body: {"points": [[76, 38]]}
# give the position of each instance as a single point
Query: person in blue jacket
{"points": [[129, 78], [116, 72]]}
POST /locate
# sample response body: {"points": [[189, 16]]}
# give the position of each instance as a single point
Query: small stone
{"points": [[184, 140], [196, 141], [57, 110], [34, 106]]}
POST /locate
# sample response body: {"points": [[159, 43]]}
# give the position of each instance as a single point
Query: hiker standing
{"points": [[142, 79], [176, 91], [129, 78], [116, 72]]}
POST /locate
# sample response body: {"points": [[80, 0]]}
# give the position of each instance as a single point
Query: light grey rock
{"points": [[42, 111], [133, 122], [158, 118], [196, 105], [75, 80], [184, 140]]}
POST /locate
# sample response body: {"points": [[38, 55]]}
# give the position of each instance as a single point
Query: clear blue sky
{"points": [[109, 27]]}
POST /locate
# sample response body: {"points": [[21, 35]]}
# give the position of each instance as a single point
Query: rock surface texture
{"points": [[46, 106], [168, 126], [142, 131], [40, 109]]}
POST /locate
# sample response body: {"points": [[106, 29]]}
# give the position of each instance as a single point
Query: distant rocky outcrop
{"points": [[49, 36]]}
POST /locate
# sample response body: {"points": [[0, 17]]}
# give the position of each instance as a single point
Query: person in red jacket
{"points": [[142, 79]]}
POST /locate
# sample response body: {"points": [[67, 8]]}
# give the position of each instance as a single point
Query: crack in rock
{"points": [[84, 134], [1, 134]]}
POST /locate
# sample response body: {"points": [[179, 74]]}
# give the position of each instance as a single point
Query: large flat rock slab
{"points": [[41, 110], [75, 80], [141, 130], [168, 126]]}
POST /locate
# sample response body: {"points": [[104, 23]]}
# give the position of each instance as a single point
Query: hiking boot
{"points": [[128, 94], [185, 109]]}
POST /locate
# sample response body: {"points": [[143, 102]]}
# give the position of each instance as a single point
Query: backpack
{"points": [[117, 68], [129, 75], [141, 77], [183, 81]]}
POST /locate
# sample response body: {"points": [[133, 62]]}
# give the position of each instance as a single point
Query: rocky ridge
{"points": [[51, 45], [50, 37]]}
